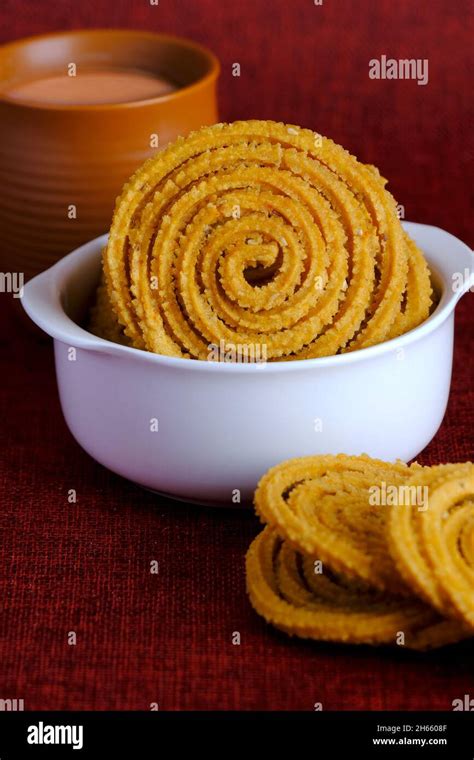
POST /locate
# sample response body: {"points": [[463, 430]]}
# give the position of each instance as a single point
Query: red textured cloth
{"points": [[85, 567]]}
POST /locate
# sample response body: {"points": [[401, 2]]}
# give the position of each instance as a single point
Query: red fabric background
{"points": [[166, 638]]}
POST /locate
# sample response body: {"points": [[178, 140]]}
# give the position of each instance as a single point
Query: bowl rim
{"points": [[43, 302], [180, 92]]}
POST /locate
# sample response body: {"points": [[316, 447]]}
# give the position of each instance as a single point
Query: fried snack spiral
{"points": [[262, 234], [321, 506], [434, 547], [334, 564], [438, 634], [278, 589], [102, 319], [340, 588]]}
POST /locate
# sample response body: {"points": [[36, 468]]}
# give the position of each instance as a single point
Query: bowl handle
{"points": [[43, 298]]}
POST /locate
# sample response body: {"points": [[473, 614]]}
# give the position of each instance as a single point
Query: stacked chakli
{"points": [[333, 563]]}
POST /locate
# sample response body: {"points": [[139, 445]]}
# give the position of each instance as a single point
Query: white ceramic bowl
{"points": [[221, 426]]}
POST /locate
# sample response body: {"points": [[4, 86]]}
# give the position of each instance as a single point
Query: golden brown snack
{"points": [[102, 320], [434, 547], [335, 564], [438, 634], [322, 505], [260, 233], [339, 588], [279, 592], [418, 301]]}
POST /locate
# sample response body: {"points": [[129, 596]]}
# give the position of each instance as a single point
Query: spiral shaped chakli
{"points": [[433, 547], [322, 505], [261, 234], [283, 589], [102, 319]]}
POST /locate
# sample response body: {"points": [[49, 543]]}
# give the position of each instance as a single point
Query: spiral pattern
{"points": [[321, 506], [286, 592], [332, 565], [102, 319], [434, 548], [261, 234]]}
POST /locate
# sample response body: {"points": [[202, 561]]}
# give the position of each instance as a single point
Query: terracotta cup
{"points": [[62, 166]]}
